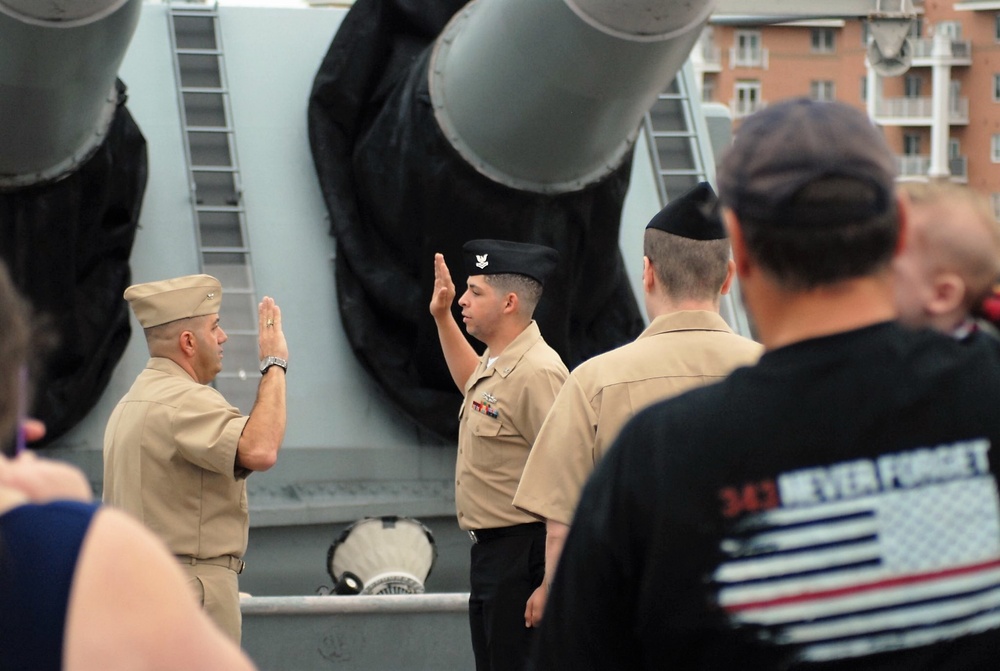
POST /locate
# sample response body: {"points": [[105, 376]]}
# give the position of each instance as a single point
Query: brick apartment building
{"points": [[950, 130]]}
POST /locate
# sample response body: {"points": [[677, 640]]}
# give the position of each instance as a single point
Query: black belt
{"points": [[227, 561], [487, 535]]}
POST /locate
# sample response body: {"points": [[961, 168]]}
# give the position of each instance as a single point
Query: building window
{"points": [[954, 148], [996, 27], [996, 88], [748, 98], [995, 148], [748, 52], [866, 33], [821, 90], [708, 89], [917, 27], [822, 40], [911, 144], [911, 86]]}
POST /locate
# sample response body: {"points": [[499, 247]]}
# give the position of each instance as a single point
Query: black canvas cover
{"points": [[397, 192], [67, 245]]}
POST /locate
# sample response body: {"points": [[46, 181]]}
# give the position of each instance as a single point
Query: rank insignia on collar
{"points": [[489, 398]]}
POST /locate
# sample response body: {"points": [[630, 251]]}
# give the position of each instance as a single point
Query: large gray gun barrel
{"points": [[58, 64], [510, 119], [547, 95]]}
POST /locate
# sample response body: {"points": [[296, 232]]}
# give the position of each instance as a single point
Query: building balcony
{"points": [[916, 167], [748, 58], [961, 52], [744, 108], [711, 58], [918, 111]]}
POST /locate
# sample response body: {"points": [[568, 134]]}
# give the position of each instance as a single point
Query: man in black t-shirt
{"points": [[834, 506]]}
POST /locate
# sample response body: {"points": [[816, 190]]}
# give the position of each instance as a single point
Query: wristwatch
{"points": [[269, 361]]}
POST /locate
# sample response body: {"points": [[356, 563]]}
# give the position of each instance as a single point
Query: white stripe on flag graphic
{"points": [[881, 570]]}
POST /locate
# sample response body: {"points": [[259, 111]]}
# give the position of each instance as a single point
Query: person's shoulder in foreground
{"points": [[834, 506]]}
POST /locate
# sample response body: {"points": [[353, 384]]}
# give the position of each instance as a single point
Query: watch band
{"points": [[269, 361]]}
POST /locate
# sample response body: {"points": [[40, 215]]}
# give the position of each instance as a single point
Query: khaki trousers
{"points": [[217, 589]]}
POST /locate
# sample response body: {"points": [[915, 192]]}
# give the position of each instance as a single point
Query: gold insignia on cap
{"points": [[163, 301]]}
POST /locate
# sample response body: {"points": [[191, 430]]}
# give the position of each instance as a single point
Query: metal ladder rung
{"points": [[222, 130], [183, 51], [241, 249], [219, 208], [192, 9], [680, 171], [205, 89], [213, 168], [673, 133]]}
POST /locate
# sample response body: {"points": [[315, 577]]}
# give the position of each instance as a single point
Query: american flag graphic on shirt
{"points": [[871, 555]]}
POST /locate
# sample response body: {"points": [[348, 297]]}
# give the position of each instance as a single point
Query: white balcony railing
{"points": [[743, 108], [921, 108], [711, 56], [747, 57], [913, 165], [961, 50], [909, 166]]}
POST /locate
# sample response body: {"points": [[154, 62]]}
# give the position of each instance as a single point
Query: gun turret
{"points": [[72, 175], [548, 96], [58, 65], [516, 120]]}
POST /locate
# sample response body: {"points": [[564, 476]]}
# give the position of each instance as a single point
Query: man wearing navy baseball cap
{"points": [[834, 506], [508, 391]]}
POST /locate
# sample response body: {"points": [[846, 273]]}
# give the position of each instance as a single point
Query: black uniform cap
{"points": [[498, 257], [694, 214]]}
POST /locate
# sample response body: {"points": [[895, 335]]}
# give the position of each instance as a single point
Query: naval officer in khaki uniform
{"points": [[176, 454], [508, 391], [686, 270]]}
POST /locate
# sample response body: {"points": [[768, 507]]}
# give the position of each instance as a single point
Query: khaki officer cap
{"points": [[156, 303]]}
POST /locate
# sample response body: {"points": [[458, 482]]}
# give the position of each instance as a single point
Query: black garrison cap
{"points": [[694, 214], [498, 257]]}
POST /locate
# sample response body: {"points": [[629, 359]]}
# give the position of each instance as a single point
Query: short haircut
{"points": [[528, 290], [688, 269], [810, 247], [953, 249]]}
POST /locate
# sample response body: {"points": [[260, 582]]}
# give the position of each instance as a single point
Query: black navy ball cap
{"points": [[694, 214], [499, 257]]}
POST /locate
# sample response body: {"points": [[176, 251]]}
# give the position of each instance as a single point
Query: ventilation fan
{"points": [[382, 555]]}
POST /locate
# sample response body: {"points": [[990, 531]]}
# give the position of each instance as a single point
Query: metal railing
{"points": [[748, 57], [923, 48], [921, 108], [909, 166]]}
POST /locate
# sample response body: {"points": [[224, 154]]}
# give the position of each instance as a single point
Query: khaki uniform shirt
{"points": [[169, 459], [676, 352], [504, 407]]}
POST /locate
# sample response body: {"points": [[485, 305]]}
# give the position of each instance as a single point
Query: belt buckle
{"points": [[240, 565], [472, 535]]}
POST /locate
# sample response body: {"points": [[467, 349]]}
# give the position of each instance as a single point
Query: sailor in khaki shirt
{"points": [[177, 454], [508, 392], [686, 269]]}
